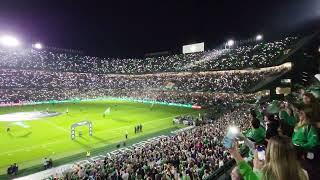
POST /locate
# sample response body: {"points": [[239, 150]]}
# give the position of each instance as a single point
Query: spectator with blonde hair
{"points": [[280, 163]]}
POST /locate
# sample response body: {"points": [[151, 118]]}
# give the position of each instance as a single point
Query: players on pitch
{"points": [[138, 128], [13, 169]]}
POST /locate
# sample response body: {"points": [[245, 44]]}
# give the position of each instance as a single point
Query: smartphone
{"points": [[261, 150], [228, 140]]}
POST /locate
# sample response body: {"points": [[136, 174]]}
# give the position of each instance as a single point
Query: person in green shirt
{"points": [[288, 117], [310, 101], [305, 135], [257, 133], [306, 140], [280, 163], [287, 121]]}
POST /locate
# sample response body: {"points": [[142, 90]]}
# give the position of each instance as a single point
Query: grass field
{"points": [[50, 137]]}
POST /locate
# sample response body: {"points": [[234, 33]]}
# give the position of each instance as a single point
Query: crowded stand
{"points": [[203, 98], [290, 135], [246, 56], [21, 85], [258, 55]]}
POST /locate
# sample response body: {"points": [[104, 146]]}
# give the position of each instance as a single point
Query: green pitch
{"points": [[49, 137]]}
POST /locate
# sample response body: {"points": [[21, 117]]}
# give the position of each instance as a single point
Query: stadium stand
{"points": [[259, 55], [21, 85], [60, 76]]}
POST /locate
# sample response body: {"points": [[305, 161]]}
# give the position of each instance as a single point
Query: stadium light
{"points": [[38, 46], [230, 43], [9, 41], [259, 37]]}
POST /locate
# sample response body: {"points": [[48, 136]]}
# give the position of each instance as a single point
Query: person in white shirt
{"points": [[125, 175]]}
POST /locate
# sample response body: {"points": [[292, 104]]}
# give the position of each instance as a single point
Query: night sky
{"points": [[133, 28]]}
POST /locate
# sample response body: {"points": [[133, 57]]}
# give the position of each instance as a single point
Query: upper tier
{"points": [[259, 55]]}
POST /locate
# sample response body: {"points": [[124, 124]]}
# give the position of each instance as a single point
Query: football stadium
{"points": [[243, 108]]}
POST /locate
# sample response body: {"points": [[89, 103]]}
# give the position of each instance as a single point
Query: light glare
{"points": [[38, 46], [9, 41], [230, 42], [259, 37], [234, 130]]}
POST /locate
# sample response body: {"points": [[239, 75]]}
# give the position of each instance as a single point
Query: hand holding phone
{"points": [[261, 151], [228, 140]]}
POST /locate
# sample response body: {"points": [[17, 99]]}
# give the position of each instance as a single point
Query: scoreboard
{"points": [[192, 48]]}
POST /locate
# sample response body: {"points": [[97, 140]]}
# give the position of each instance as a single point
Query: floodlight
{"points": [[259, 37], [38, 46], [230, 43], [9, 41]]}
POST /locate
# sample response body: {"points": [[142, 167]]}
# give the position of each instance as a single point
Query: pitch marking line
{"points": [[55, 142]]}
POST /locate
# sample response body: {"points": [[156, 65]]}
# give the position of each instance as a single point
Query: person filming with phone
{"points": [[276, 162]]}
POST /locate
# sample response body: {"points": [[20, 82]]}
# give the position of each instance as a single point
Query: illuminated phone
{"points": [[261, 150], [228, 140]]}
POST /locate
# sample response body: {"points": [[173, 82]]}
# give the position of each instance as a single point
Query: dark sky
{"points": [[133, 28]]}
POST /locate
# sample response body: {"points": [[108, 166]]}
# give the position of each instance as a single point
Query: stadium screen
{"points": [[192, 48], [285, 81], [283, 90]]}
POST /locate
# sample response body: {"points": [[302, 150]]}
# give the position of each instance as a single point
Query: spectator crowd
{"points": [[190, 87], [38, 75], [290, 133], [255, 55]]}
